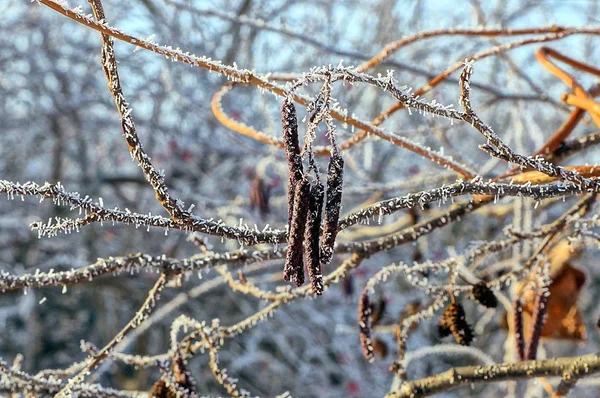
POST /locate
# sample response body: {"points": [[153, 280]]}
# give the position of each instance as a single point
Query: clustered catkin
{"points": [[305, 205]]}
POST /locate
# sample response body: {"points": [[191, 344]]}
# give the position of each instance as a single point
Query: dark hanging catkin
{"points": [[335, 178], [519, 330], [364, 326], [289, 122], [294, 262], [311, 237], [538, 318]]}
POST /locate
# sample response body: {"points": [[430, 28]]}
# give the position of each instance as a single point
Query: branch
{"points": [[95, 360], [154, 177], [131, 264], [458, 377]]}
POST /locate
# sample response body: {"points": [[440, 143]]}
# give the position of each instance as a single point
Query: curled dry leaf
{"points": [[564, 320]]}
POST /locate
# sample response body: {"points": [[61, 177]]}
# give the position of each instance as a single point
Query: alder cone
{"points": [[454, 320], [484, 295], [443, 329]]}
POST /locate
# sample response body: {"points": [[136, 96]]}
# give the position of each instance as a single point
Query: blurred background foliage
{"points": [[58, 123]]}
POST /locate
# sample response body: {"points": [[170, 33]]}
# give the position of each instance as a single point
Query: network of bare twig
{"points": [[309, 236]]}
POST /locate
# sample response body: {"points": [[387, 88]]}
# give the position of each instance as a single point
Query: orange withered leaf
{"points": [[564, 319]]}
